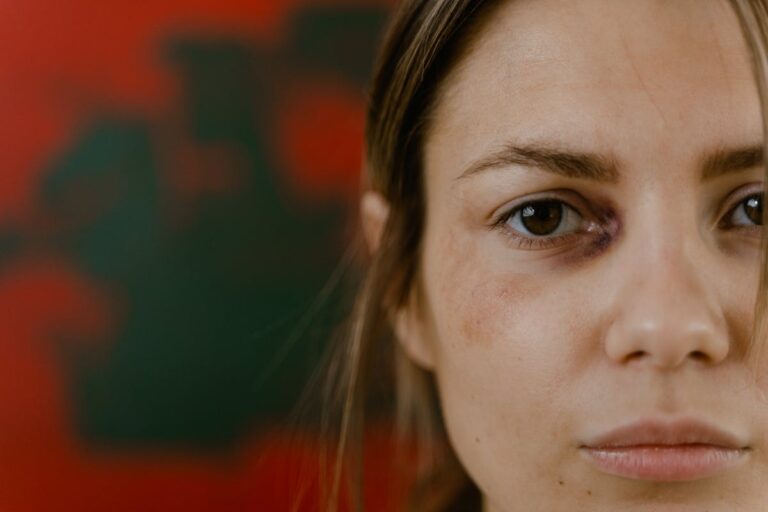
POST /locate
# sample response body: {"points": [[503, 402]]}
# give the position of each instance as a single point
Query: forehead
{"points": [[626, 76]]}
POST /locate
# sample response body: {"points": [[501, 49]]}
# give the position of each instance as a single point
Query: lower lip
{"points": [[660, 463]]}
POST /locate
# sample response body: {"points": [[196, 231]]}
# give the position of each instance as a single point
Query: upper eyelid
{"points": [[508, 210], [734, 198]]}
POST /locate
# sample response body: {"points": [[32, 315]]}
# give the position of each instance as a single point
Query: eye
{"points": [[748, 213], [544, 218], [549, 221]]}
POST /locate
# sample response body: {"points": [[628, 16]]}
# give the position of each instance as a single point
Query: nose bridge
{"points": [[665, 313]]}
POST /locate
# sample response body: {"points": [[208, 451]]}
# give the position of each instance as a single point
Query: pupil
{"points": [[753, 207], [542, 218]]}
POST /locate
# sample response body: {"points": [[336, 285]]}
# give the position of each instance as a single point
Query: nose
{"points": [[665, 314]]}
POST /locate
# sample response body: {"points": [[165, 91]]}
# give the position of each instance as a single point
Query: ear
{"points": [[407, 321], [374, 211], [411, 330]]}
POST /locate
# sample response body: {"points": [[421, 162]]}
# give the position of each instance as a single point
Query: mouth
{"points": [[665, 451]]}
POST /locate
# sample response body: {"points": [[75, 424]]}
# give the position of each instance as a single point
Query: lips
{"points": [[662, 450]]}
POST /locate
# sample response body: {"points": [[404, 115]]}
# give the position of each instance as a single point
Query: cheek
{"points": [[490, 313], [480, 301], [510, 351], [472, 303], [508, 336], [502, 371], [485, 312]]}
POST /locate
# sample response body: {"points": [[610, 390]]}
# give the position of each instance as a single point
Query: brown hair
{"points": [[425, 39]]}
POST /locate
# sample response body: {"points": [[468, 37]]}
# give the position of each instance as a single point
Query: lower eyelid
{"points": [[546, 242], [529, 243]]}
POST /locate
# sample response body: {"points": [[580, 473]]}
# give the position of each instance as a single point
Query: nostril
{"points": [[698, 355], [638, 354]]}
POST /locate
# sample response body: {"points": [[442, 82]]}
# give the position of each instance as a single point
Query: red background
{"points": [[169, 170]]}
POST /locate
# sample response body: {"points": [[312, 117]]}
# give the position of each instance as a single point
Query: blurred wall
{"points": [[175, 187]]}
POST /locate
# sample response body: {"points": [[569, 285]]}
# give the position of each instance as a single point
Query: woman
{"points": [[565, 217]]}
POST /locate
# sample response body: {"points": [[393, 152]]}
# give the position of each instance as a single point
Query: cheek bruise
{"points": [[492, 308]]}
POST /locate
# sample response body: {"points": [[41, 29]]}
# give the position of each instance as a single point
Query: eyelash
{"points": [[594, 228], [729, 214], [525, 242]]}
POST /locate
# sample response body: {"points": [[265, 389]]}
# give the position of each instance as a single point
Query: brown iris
{"points": [[753, 207], [542, 217]]}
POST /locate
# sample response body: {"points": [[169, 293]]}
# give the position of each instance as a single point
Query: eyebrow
{"points": [[726, 161], [604, 168]]}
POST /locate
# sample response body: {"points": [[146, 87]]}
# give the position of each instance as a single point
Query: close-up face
{"points": [[590, 259]]}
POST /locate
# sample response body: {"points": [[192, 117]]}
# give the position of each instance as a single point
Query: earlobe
{"points": [[409, 330], [374, 211]]}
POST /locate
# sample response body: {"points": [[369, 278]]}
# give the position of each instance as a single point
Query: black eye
{"points": [[543, 218], [748, 212]]}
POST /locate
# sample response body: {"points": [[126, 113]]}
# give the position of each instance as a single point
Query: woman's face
{"points": [[623, 291]]}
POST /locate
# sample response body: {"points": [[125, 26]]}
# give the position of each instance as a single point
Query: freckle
{"points": [[589, 493], [560, 482], [477, 439]]}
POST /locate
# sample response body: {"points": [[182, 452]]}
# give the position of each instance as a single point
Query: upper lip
{"points": [[666, 432]]}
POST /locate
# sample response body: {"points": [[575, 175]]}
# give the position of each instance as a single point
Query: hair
{"points": [[424, 41]]}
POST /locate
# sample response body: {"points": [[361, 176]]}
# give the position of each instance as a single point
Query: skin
{"points": [[534, 349]]}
